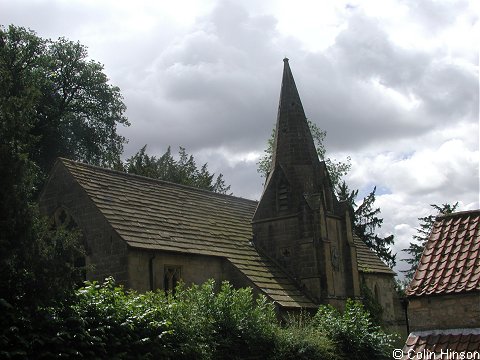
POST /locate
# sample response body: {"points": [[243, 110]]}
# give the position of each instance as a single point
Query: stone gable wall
{"points": [[106, 252]]}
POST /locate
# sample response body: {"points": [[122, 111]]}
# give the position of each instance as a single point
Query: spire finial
{"points": [[285, 59]]}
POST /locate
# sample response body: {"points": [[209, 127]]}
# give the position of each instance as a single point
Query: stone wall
{"points": [[106, 252], [382, 287], [146, 269], [195, 269], [444, 312]]}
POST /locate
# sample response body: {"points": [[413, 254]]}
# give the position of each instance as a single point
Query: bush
{"points": [[229, 324], [199, 322], [353, 331], [298, 339]]}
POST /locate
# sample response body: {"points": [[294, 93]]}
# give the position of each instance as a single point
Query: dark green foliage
{"points": [[300, 339], [371, 304], [105, 321], [416, 247], [36, 261], [336, 169], [182, 171], [366, 223], [55, 102], [200, 322]]}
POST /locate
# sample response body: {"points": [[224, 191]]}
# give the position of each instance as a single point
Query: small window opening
{"points": [[63, 219], [171, 278], [282, 198]]}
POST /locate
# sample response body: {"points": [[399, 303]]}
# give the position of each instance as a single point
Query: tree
{"points": [[366, 222], [182, 171], [52, 103], [416, 247], [61, 102], [336, 169]]}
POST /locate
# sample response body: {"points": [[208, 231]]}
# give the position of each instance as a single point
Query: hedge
{"points": [[206, 321]]}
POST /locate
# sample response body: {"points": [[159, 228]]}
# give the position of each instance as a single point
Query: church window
{"points": [[286, 252], [63, 219], [172, 275]]}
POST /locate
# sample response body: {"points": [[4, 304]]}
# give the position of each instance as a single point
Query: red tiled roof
{"points": [[450, 262], [443, 344]]}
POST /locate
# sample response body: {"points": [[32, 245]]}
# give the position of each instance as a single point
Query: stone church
{"points": [[295, 246]]}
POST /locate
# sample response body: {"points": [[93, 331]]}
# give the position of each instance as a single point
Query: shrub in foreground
{"points": [[353, 331], [199, 322]]}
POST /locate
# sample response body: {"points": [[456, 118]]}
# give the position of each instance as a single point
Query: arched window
{"points": [[63, 219], [171, 278]]}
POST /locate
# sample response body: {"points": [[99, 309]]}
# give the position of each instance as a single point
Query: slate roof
{"points": [[450, 262], [441, 343], [159, 215], [367, 260]]}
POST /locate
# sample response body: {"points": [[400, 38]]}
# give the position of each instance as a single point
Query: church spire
{"points": [[298, 221], [293, 145]]}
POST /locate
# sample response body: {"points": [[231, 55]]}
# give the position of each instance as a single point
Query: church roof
{"points": [[450, 262], [158, 215], [368, 261]]}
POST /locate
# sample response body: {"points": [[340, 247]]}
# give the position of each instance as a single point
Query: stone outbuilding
{"points": [[296, 245], [444, 295]]}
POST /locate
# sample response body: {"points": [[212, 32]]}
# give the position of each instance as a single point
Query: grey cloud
{"points": [[435, 15], [356, 114], [217, 86], [51, 19], [364, 51], [449, 92]]}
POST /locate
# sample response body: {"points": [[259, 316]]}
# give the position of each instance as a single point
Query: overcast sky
{"points": [[394, 83]]}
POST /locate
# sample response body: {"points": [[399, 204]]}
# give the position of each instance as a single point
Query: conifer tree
{"points": [[367, 222], [182, 171], [416, 247]]}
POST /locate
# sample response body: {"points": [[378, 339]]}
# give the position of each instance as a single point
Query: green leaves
{"points": [[354, 332], [182, 171], [208, 321], [55, 102]]}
